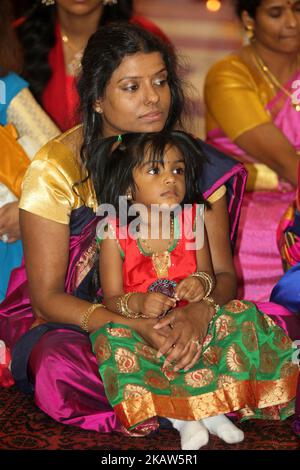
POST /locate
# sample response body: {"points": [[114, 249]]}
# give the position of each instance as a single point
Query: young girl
{"points": [[245, 361]]}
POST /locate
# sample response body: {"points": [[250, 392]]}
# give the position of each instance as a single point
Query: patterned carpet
{"points": [[24, 427]]}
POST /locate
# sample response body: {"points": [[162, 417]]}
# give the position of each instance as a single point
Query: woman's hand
{"points": [[155, 338], [9, 221], [154, 304], [189, 327], [190, 289]]}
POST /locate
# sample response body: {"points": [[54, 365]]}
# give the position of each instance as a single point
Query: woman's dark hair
{"points": [[10, 51], [247, 5], [104, 53], [37, 35], [112, 170]]}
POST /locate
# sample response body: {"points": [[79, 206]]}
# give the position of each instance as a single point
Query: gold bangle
{"points": [[206, 280], [123, 305], [84, 323]]}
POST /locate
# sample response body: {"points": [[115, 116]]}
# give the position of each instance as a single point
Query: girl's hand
{"points": [[190, 289], [189, 328], [154, 304]]}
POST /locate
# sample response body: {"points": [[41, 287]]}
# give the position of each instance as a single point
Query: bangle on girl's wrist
{"points": [[206, 280], [123, 308]]}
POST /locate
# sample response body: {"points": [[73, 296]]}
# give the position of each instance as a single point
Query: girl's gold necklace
{"points": [[161, 261], [272, 80]]}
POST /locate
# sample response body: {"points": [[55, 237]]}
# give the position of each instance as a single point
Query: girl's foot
{"points": [[193, 434], [223, 428]]}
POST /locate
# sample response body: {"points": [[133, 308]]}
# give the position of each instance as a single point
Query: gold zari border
{"points": [[232, 397]]}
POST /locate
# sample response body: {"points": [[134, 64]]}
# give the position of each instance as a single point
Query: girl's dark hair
{"points": [[247, 5], [37, 35], [10, 51], [104, 53], [112, 170]]}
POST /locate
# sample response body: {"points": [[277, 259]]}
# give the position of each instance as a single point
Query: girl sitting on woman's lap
{"points": [[244, 362]]}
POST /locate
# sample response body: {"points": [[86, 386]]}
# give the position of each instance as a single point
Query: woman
{"points": [[33, 129], [54, 36], [251, 116], [129, 82]]}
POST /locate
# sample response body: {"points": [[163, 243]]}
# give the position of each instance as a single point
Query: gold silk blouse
{"points": [[235, 96], [48, 186]]}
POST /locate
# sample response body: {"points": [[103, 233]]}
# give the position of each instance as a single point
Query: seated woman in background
{"points": [[252, 116], [54, 35], [33, 129]]}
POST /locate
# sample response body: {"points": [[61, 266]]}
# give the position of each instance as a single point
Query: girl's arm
{"points": [[192, 288]]}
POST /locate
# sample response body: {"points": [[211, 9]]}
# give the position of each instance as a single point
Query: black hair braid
{"points": [[37, 37]]}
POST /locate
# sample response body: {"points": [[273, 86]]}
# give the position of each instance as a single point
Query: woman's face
{"points": [[137, 97], [277, 25], [79, 7]]}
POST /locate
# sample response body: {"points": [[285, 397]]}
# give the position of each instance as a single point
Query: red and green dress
{"points": [[247, 365]]}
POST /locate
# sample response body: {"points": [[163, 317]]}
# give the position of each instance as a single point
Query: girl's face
{"points": [[157, 183], [137, 97], [277, 25], [79, 7]]}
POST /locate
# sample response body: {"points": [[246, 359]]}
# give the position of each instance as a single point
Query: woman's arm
{"points": [[267, 144], [46, 251], [217, 228]]}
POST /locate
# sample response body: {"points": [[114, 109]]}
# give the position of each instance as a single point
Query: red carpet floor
{"points": [[24, 427]]}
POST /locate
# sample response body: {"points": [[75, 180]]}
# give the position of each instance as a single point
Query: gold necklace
{"points": [[161, 261], [74, 66], [272, 80]]}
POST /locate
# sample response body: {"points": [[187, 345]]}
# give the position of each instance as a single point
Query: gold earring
{"points": [[250, 32], [129, 196]]}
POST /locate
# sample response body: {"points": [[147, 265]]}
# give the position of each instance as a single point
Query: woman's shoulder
{"points": [[233, 66], [63, 152]]}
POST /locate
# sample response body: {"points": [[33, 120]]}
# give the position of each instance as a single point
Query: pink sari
{"points": [[257, 260]]}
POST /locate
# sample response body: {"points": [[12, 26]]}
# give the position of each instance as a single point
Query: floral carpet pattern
{"points": [[24, 427]]}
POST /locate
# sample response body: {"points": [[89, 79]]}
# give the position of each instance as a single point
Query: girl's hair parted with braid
{"points": [[37, 35]]}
